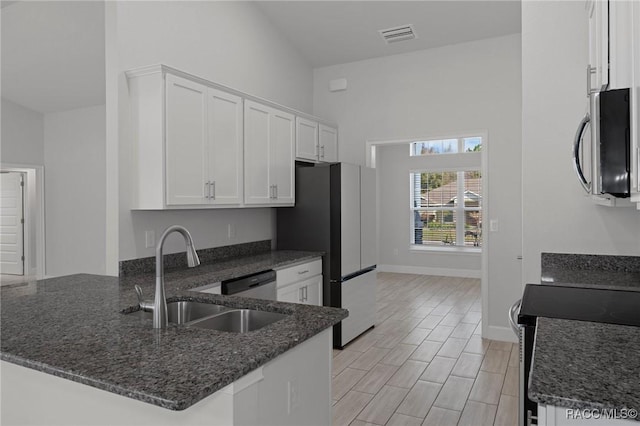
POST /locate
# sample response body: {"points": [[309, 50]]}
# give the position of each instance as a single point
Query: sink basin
{"points": [[239, 321], [185, 311], [216, 317]]}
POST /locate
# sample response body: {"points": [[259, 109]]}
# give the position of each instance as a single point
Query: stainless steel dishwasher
{"points": [[259, 286]]}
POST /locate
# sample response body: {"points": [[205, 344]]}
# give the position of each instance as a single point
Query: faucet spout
{"points": [[160, 318]]}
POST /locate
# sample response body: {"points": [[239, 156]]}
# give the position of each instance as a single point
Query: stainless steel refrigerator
{"points": [[335, 213]]}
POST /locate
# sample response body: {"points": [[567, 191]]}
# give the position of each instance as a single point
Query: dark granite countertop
{"points": [[580, 364], [590, 270], [73, 327]]}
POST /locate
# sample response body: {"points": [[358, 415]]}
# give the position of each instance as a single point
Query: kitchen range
{"points": [[577, 339]]}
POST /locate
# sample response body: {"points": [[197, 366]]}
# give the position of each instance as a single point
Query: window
{"points": [[446, 196], [446, 146]]}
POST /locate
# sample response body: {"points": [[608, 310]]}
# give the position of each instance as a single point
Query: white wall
{"points": [[393, 165], [22, 135], [230, 43], [462, 88], [74, 197], [557, 216]]}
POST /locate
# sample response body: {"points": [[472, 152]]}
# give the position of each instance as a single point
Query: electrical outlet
{"points": [[493, 225], [231, 231], [149, 239]]}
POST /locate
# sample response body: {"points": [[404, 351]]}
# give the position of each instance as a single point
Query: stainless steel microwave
{"points": [[609, 154]]}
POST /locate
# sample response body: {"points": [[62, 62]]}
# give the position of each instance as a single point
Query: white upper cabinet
{"points": [[328, 143], [316, 142], [306, 139], [269, 145], [186, 141], [197, 144], [190, 156], [225, 119], [598, 13]]}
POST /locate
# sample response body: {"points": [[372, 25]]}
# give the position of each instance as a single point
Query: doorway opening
{"points": [[22, 248]]}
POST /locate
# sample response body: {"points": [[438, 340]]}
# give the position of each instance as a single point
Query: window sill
{"points": [[446, 249]]}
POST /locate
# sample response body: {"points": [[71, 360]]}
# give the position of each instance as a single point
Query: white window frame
{"points": [[459, 210]]}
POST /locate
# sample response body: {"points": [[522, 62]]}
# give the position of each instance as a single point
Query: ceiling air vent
{"points": [[392, 35]]}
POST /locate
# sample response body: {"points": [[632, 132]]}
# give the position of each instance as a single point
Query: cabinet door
{"points": [[282, 152], [257, 124], [313, 291], [225, 147], [186, 141], [291, 293], [306, 139], [598, 13], [328, 141]]}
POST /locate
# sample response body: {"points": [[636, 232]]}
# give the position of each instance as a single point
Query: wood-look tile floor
{"points": [[425, 363]]}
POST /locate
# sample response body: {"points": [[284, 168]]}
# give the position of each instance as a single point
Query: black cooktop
{"points": [[580, 303]]}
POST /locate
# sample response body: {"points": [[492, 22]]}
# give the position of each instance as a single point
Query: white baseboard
{"points": [[425, 270], [504, 334]]}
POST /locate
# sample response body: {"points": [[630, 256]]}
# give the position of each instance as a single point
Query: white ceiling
{"points": [[53, 54], [335, 32]]}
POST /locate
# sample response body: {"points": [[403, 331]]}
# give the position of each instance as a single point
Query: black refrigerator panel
{"points": [[314, 219], [615, 142]]}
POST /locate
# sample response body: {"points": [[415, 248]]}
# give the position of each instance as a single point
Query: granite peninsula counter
{"points": [[74, 327]]}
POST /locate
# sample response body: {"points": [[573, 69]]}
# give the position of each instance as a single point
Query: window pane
{"points": [[472, 189], [438, 189], [444, 146], [434, 227], [473, 228], [472, 144]]}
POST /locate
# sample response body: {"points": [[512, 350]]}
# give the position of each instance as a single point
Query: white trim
{"points": [[370, 145], [34, 182], [503, 334], [425, 270], [465, 250]]}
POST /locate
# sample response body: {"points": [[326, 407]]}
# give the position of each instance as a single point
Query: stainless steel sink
{"points": [[183, 312], [216, 317], [239, 321]]}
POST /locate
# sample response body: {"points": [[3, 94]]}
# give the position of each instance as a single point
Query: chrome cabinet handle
{"points": [[590, 71], [303, 272], [576, 152], [322, 151], [275, 187], [212, 186], [207, 189]]}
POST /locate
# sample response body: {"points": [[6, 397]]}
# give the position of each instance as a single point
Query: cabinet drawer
{"points": [[298, 272]]}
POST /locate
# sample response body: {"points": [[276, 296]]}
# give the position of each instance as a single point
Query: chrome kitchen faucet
{"points": [[159, 305]]}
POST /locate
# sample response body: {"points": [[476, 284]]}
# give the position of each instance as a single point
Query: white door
{"points": [[282, 152], [306, 139], [186, 142], [11, 224], [359, 298], [225, 147], [257, 187], [328, 141]]}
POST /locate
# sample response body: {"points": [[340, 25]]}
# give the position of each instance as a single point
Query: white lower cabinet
{"points": [[301, 283], [284, 391], [551, 415], [308, 292]]}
